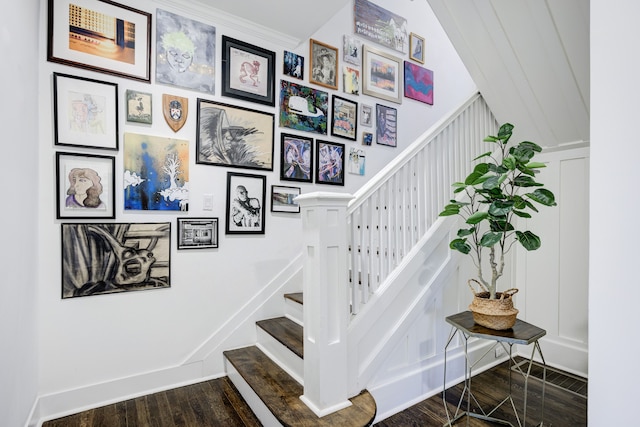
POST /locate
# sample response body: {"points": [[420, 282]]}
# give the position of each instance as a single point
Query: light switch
{"points": [[207, 202]]}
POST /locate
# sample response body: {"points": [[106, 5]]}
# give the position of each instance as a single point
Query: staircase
{"points": [[269, 375]]}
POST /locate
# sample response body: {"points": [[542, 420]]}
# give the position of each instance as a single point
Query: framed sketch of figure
{"points": [[324, 64]]}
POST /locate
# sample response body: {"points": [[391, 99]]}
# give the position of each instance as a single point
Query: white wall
{"points": [[18, 314], [120, 344], [614, 290]]}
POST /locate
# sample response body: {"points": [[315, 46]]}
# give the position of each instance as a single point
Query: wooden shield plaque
{"points": [[175, 110]]}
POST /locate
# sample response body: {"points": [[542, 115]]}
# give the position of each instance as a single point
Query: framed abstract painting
{"points": [[418, 83]]}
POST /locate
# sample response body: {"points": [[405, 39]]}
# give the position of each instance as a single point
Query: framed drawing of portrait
{"points": [[386, 125], [344, 118], [303, 108], [246, 196], [382, 75], [197, 233], [100, 35], [85, 186], [293, 65], [107, 258], [248, 72], [324, 64], [282, 199], [416, 48], [232, 136], [366, 115], [85, 112], [329, 163], [139, 107], [297, 158]]}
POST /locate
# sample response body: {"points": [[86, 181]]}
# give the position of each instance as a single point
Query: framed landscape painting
{"points": [[282, 199], [382, 75]]}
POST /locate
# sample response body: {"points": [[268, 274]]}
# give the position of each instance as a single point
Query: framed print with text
{"points": [[382, 75]]}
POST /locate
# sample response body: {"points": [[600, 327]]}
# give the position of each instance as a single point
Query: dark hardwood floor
{"points": [[218, 403]]}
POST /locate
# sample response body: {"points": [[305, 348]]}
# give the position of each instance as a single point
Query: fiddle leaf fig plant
{"points": [[498, 190]]}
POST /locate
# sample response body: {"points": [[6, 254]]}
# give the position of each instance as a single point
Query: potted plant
{"points": [[500, 188]]}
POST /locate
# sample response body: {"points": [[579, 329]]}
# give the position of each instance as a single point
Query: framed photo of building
{"points": [[100, 35], [282, 199], [329, 163], [297, 158], [246, 197], [324, 64], [382, 75], [197, 233], [344, 118]]}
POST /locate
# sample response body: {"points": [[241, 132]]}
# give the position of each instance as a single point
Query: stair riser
{"points": [[280, 354], [293, 311]]}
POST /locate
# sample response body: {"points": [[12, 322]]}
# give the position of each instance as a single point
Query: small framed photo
{"points": [[416, 48], [197, 233], [246, 196], [344, 118], [85, 185], [351, 80], [85, 112], [297, 158], [139, 107], [324, 64], [329, 163], [282, 199], [381, 75], [293, 65], [351, 49], [366, 115], [248, 72], [386, 125], [367, 138], [100, 35], [418, 83]]}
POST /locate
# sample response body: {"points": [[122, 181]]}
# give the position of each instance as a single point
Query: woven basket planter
{"points": [[498, 314]]}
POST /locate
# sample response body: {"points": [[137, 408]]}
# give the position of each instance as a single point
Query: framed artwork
{"points": [[248, 72], [297, 158], [324, 64], [329, 163], [185, 52], [303, 108], [351, 80], [85, 185], [156, 173], [416, 48], [367, 138], [246, 196], [366, 115], [344, 118], [380, 25], [386, 125], [85, 112], [100, 35], [351, 50], [227, 135], [293, 65], [112, 258], [356, 161], [197, 233], [381, 75], [418, 83], [282, 199], [139, 107]]}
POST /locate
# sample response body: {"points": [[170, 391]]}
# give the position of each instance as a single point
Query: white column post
{"points": [[326, 301]]}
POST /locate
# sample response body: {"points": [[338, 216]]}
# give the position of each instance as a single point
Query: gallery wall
{"points": [[97, 339]]}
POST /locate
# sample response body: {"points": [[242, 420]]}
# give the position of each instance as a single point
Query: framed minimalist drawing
{"points": [[344, 118], [246, 196], [139, 107], [232, 136], [100, 35], [297, 158], [386, 125], [85, 112], [351, 50], [303, 108], [380, 25], [381, 75], [366, 115], [293, 65], [418, 83], [85, 185], [329, 163], [282, 199], [356, 161], [106, 258], [416, 48], [324, 64], [197, 233], [248, 72]]}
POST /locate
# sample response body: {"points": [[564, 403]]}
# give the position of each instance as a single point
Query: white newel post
{"points": [[326, 301]]}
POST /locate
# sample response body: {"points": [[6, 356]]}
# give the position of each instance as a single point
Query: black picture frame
{"points": [[282, 199], [245, 212], [386, 125], [296, 161], [344, 118], [248, 72], [197, 233], [330, 159], [74, 200]]}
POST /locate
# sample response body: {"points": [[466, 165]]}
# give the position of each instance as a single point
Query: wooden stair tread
{"points": [[295, 296], [288, 332], [281, 393]]}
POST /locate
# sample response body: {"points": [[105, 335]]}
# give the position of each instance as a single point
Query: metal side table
{"points": [[521, 333]]}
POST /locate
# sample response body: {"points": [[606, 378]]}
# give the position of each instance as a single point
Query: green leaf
{"points": [[530, 241], [500, 226], [475, 178], [491, 183], [505, 132], [532, 145], [531, 206], [477, 218], [458, 185], [522, 214], [519, 202], [522, 153], [509, 162], [481, 168], [460, 245], [526, 181], [464, 232], [535, 165], [487, 154], [490, 238], [500, 208], [543, 196], [490, 139]]}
